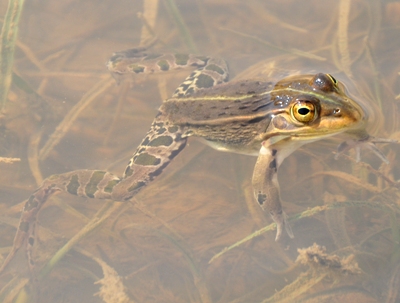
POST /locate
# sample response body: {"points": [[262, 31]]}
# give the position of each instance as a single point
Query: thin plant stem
{"points": [[7, 47]]}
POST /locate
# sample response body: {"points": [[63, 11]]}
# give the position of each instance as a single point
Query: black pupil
{"points": [[303, 111]]}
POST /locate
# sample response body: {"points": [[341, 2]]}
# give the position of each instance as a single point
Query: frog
{"points": [[267, 119]]}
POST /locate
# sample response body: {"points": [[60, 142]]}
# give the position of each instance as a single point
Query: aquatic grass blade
{"points": [[7, 47]]}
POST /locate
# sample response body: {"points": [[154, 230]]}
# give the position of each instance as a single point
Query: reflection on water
{"points": [[158, 249]]}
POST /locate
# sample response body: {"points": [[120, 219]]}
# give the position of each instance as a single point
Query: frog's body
{"points": [[267, 119]]}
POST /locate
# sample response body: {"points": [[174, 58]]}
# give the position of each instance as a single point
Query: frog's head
{"points": [[313, 106]]}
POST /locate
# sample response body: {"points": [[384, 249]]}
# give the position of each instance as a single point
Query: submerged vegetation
{"points": [[190, 237]]}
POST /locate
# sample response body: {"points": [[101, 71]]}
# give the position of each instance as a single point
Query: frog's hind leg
{"points": [[210, 71], [84, 183], [214, 72], [161, 144], [165, 140]]}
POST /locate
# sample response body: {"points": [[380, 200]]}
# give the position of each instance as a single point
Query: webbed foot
{"points": [[368, 142], [281, 222]]}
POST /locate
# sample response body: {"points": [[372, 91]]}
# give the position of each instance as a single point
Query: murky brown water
{"points": [[161, 246]]}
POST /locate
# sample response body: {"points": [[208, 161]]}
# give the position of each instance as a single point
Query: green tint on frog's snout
{"points": [[319, 107]]}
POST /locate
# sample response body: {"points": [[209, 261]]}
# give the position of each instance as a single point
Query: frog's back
{"points": [[234, 99], [229, 116]]}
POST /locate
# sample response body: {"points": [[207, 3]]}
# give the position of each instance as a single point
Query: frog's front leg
{"points": [[363, 140], [266, 187]]}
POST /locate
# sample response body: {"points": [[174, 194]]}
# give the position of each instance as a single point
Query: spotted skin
{"points": [[161, 144], [239, 117]]}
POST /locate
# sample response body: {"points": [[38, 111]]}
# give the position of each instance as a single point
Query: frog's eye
{"points": [[332, 78], [323, 82], [304, 111]]}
